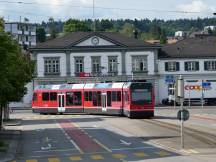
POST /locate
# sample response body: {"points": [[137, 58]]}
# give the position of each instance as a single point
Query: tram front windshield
{"points": [[141, 96]]}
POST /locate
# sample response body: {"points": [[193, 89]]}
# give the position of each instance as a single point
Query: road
{"points": [[66, 138]]}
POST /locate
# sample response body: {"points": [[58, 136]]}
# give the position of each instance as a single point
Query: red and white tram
{"points": [[132, 99]]}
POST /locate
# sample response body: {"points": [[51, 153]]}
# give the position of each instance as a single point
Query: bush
{"points": [[3, 146]]}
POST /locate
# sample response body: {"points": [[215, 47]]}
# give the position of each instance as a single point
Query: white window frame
{"points": [[113, 63], [136, 63], [191, 66], [96, 64], [172, 66], [211, 65], [79, 64], [52, 66]]}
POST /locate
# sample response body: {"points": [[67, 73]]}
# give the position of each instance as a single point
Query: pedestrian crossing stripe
{"points": [[163, 153], [118, 156], [53, 160], [97, 157], [31, 160], [75, 158], [189, 151], [140, 154]]}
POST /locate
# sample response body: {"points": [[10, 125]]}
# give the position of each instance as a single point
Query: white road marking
{"points": [[39, 130], [102, 145], [73, 143], [60, 150], [46, 148], [125, 143], [133, 148]]}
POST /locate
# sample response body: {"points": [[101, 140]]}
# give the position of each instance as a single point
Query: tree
{"points": [[16, 70], [1, 24], [155, 30], [163, 37], [26, 19], [41, 35], [127, 29], [106, 25], [73, 25], [210, 31], [52, 28]]}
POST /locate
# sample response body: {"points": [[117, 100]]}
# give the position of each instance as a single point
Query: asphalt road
{"points": [[64, 138]]}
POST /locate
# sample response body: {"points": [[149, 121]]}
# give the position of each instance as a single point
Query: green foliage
{"points": [[106, 25], [1, 24], [26, 19], [73, 25], [41, 35], [148, 29], [163, 37], [52, 28], [155, 33], [16, 70], [3, 146], [127, 29]]}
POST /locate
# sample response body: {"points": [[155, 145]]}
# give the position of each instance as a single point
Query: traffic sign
{"points": [[206, 84], [169, 79], [183, 115]]}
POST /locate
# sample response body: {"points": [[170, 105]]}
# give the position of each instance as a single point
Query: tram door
{"points": [[104, 101], [61, 103]]}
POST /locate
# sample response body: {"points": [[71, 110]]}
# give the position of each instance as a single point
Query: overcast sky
{"points": [[38, 10]]}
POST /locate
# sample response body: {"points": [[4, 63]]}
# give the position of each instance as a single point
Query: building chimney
{"points": [[135, 32]]}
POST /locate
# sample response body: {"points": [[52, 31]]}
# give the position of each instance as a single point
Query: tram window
{"points": [[109, 102], [90, 96], [114, 96], [99, 98], [73, 99], [86, 96], [53, 96], [119, 96], [69, 98], [34, 97], [94, 97], [77, 98], [45, 96]]}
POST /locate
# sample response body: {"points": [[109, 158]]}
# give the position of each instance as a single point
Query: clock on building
{"points": [[95, 40]]}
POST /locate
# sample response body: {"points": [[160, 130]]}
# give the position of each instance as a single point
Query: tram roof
{"points": [[80, 86], [104, 85]]}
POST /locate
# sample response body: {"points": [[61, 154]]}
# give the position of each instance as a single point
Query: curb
{"points": [[16, 123]]}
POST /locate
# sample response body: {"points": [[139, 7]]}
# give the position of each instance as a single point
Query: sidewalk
{"points": [[203, 120], [11, 137]]}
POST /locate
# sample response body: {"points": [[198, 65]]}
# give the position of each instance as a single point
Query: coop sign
{"points": [[197, 87]]}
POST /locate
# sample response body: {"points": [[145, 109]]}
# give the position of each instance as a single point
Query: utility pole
{"points": [[93, 14], [181, 96]]}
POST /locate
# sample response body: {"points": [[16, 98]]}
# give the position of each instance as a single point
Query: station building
{"points": [[84, 57]]}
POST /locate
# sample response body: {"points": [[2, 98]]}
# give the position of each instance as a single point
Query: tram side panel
{"points": [[102, 101], [45, 102], [61, 101], [74, 101]]}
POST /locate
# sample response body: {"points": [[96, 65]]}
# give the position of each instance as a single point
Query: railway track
{"points": [[202, 136]]}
